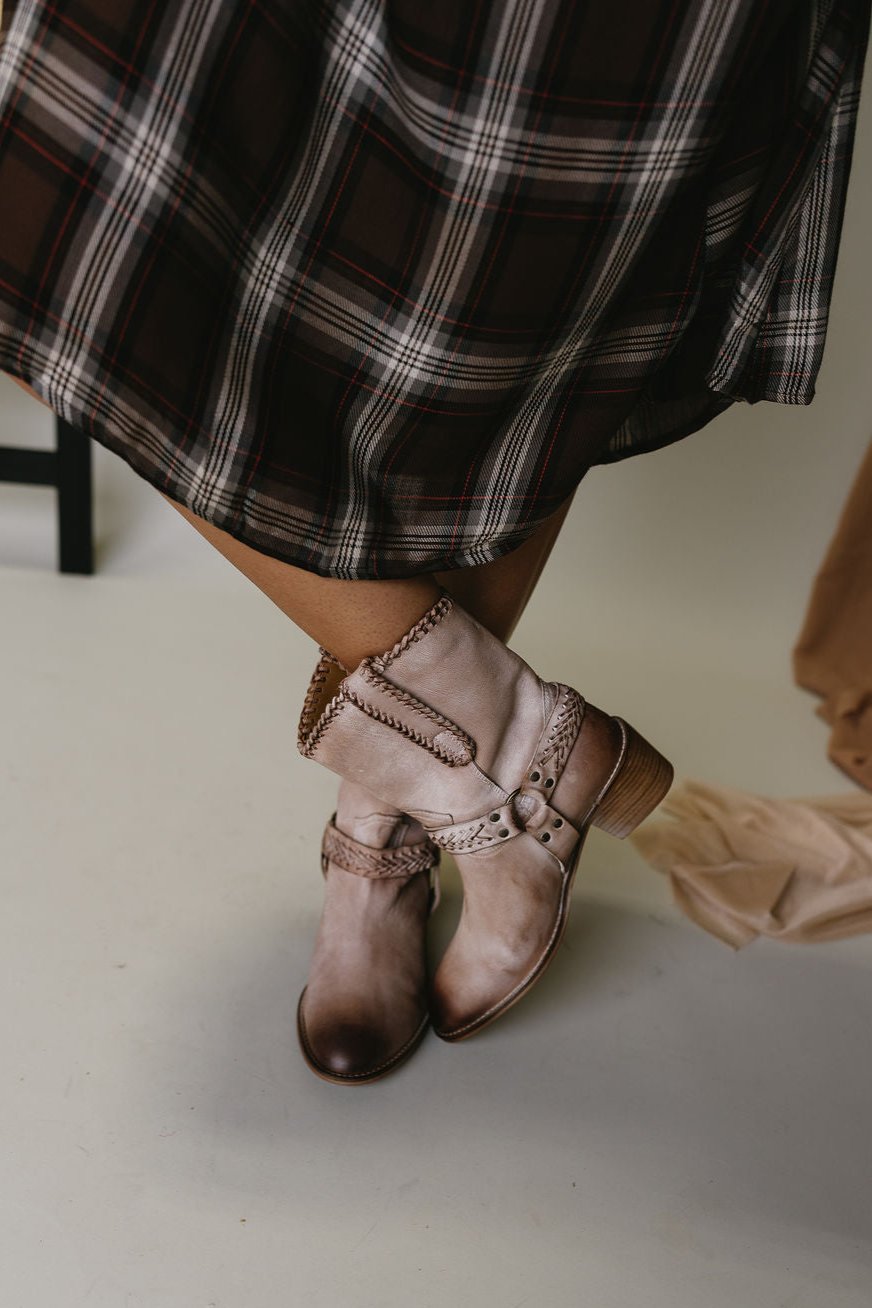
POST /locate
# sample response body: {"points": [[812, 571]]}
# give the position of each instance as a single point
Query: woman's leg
{"points": [[365, 1004], [497, 593], [353, 619], [455, 693]]}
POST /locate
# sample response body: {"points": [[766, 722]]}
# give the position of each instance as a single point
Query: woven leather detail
{"points": [[448, 743], [524, 810], [431, 618], [366, 861], [527, 807], [313, 721], [560, 734], [481, 833], [451, 744]]}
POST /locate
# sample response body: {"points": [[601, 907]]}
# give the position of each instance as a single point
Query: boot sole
{"points": [[355, 1078], [641, 780]]}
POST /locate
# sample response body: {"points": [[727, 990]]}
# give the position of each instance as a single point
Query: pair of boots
{"points": [[451, 741]]}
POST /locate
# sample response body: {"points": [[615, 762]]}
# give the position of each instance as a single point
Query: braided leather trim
{"points": [[527, 808], [524, 811], [451, 760], [310, 729], [431, 618], [451, 745], [561, 733], [365, 861], [467, 837], [452, 750], [371, 675]]}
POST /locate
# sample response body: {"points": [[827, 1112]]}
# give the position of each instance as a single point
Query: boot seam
{"points": [[309, 732], [434, 615], [565, 721], [371, 674], [309, 737]]}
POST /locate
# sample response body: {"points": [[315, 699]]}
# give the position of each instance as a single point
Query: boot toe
{"points": [[350, 1052], [471, 989], [346, 1051], [457, 1010]]}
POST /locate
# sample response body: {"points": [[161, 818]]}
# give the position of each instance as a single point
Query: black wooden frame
{"points": [[68, 468]]}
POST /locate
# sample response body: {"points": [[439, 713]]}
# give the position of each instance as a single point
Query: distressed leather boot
{"points": [[364, 1009], [504, 770]]}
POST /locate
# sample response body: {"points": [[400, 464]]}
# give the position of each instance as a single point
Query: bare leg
{"points": [[353, 619], [497, 593], [24, 386]]}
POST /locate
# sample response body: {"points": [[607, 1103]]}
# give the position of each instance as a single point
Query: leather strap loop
{"points": [[528, 808], [401, 861], [524, 810]]}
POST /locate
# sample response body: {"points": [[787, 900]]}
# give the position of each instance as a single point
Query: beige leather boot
{"points": [[504, 770], [364, 1008]]}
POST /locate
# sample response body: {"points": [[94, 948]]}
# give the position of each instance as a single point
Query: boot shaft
{"points": [[450, 725]]}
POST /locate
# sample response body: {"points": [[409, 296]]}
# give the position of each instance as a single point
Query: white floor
{"points": [[661, 1122]]}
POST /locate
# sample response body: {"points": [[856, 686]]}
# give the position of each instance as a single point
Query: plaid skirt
{"points": [[370, 284]]}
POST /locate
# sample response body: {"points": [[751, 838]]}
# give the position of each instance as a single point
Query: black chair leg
{"points": [[74, 500]]}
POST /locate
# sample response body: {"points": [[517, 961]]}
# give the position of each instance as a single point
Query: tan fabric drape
{"points": [[833, 655], [743, 865]]}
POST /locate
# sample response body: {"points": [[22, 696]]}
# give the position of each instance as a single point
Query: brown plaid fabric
{"points": [[371, 284]]}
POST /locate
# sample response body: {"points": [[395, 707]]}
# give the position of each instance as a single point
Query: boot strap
{"points": [[527, 808], [400, 861], [548, 826]]}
